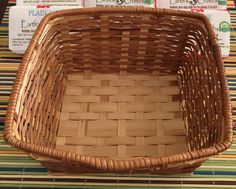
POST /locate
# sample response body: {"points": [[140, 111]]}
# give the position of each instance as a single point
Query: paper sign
{"points": [[96, 3], [22, 28], [50, 2], [220, 20], [189, 4]]}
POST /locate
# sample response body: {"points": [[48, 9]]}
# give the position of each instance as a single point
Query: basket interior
{"points": [[122, 115], [121, 85]]}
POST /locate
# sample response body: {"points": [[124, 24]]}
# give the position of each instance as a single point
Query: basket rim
{"points": [[109, 164]]}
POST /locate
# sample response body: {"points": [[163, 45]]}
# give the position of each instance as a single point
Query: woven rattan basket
{"points": [[121, 90]]}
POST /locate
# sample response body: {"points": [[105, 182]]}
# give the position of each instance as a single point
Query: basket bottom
{"points": [[121, 116]]}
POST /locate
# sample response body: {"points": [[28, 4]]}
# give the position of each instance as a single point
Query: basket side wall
{"points": [[38, 106], [201, 90]]}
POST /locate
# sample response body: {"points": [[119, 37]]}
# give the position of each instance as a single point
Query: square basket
{"points": [[121, 90]]}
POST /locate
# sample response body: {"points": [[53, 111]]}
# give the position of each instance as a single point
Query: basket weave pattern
{"points": [[158, 71], [121, 116]]}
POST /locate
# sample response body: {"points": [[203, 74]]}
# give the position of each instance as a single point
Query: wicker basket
{"points": [[122, 90]]}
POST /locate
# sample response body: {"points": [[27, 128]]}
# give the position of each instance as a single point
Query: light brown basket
{"points": [[124, 90]]}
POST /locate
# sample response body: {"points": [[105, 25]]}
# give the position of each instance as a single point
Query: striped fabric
{"points": [[17, 170]]}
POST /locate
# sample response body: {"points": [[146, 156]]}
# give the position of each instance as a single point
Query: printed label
{"points": [[224, 27], [220, 20], [22, 28], [189, 4], [49, 2], [95, 3]]}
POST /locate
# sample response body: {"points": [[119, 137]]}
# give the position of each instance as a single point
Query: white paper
{"points": [[50, 2], [221, 24], [95, 3], [189, 4], [220, 20], [22, 28]]}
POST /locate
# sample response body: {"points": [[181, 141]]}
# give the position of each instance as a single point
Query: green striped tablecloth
{"points": [[17, 170]]}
